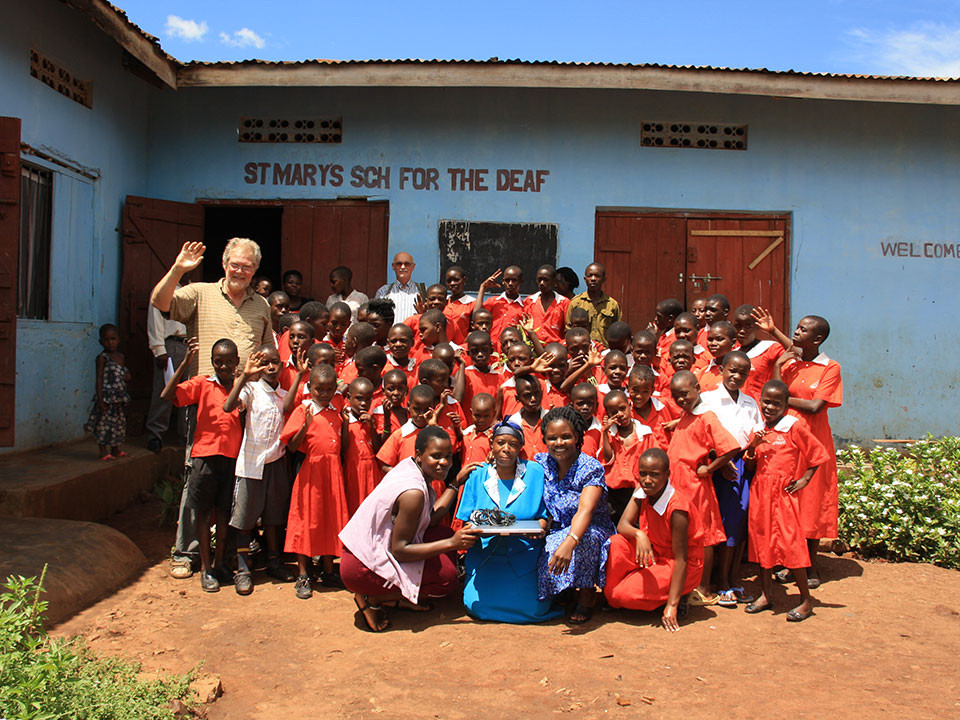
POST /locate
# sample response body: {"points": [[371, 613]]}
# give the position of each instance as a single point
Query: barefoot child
{"points": [[699, 436], [262, 488], [360, 443], [108, 417], [815, 385], [786, 455], [656, 557], [624, 440], [318, 505], [216, 444]]}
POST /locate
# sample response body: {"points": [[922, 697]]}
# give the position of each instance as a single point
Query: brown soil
{"points": [[884, 641]]}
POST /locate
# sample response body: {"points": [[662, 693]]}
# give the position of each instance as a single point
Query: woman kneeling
{"points": [[394, 553], [656, 557]]}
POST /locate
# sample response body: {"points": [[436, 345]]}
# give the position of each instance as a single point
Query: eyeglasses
{"points": [[237, 267], [402, 263]]}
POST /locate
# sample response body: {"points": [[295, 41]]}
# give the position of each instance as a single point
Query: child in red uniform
{"points": [[698, 434], [559, 379], [341, 317], [815, 385], [546, 308], [698, 308], [685, 328], [529, 418], [624, 439], [450, 415], [299, 339], [656, 557], [666, 313], [459, 304], [432, 331], [715, 309], [476, 438], [399, 346], [583, 398], [317, 354], [747, 319], [318, 504], [619, 337], [360, 335], [786, 455], [317, 314], [647, 408], [614, 372], [519, 359], [644, 351], [720, 340], [507, 307], [390, 412], [216, 444], [482, 320], [479, 377], [279, 303], [360, 443]]}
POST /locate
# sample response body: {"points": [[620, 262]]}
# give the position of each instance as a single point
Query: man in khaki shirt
{"points": [[603, 309], [228, 308]]}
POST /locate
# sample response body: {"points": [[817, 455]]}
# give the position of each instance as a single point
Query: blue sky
{"points": [[921, 37]]}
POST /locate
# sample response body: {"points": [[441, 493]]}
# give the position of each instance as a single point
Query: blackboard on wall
{"points": [[481, 248]]}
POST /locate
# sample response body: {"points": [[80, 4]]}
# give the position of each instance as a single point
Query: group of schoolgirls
{"points": [[310, 427]]}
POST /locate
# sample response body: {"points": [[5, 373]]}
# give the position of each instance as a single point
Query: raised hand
{"points": [[594, 357], [254, 365], [543, 363], [432, 415], [190, 256], [193, 348], [419, 304], [300, 361], [492, 280], [763, 319], [454, 418]]}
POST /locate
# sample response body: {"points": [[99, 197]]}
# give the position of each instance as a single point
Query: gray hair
{"points": [[242, 244]]}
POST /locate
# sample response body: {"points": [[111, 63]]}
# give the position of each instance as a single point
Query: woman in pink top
{"points": [[393, 550]]}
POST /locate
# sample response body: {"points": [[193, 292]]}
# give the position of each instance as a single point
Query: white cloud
{"points": [[244, 37], [925, 49], [189, 30]]}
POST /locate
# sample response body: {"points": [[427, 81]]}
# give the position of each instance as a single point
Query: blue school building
{"points": [[832, 195]]}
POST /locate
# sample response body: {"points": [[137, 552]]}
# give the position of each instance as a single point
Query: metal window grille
{"points": [[60, 79], [36, 203], [694, 135], [290, 130]]}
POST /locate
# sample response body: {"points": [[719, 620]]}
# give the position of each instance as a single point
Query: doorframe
{"points": [[690, 214]]}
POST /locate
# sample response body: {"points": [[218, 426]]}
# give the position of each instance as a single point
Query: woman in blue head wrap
{"points": [[501, 571]]}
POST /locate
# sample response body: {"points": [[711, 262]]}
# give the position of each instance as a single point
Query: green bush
{"points": [[903, 504], [42, 677]]}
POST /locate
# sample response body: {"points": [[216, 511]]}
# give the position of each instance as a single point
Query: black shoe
{"points": [[302, 588], [209, 583], [280, 572], [243, 583], [154, 444], [331, 579], [223, 574]]}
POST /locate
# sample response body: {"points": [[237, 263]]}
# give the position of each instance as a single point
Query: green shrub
{"points": [[42, 677], [903, 504]]}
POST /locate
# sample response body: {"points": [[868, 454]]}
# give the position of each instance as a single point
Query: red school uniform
{"points": [[763, 356], [663, 344], [476, 445], [318, 504], [217, 432], [532, 435], [818, 379], [409, 368], [444, 421], [787, 450], [592, 438], [553, 397], [477, 381], [349, 372], [508, 394], [659, 414], [621, 469], [549, 324], [696, 434], [400, 445], [360, 467], [629, 584], [506, 313], [709, 377]]}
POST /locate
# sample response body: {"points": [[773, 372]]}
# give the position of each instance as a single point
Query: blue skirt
{"points": [[733, 498]]}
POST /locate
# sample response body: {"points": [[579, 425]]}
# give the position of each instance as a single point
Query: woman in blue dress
{"points": [[501, 571], [575, 493]]}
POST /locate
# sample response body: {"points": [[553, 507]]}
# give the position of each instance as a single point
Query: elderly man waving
{"points": [[228, 308]]}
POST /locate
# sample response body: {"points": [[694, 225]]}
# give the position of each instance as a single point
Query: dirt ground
{"points": [[884, 641]]}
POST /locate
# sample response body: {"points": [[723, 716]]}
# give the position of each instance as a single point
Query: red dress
{"points": [[360, 466], [318, 504], [621, 471], [763, 356], [660, 413], [818, 379], [787, 451], [695, 436], [646, 588]]}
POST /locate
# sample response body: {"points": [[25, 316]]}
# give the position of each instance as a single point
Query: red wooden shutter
{"points": [[9, 249], [153, 232]]}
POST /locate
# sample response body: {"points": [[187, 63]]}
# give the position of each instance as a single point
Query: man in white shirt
{"points": [[341, 279], [402, 291], [168, 343]]}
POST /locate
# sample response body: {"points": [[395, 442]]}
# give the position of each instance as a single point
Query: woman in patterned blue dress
{"points": [[575, 494]]}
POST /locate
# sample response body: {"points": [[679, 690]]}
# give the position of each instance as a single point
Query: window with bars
{"points": [[36, 210]]}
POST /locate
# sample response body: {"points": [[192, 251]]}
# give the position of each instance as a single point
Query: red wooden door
{"points": [[317, 237], [9, 249], [743, 258], [644, 257], [153, 232]]}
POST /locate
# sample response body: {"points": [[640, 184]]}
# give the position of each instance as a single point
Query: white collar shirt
{"points": [[739, 416], [264, 422]]}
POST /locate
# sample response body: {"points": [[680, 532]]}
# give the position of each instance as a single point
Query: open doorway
{"points": [[259, 223]]}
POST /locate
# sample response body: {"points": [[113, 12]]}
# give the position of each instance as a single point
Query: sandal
{"points": [[727, 598], [783, 577], [108, 456], [753, 608], [742, 597], [121, 454], [581, 614], [363, 613], [813, 583], [794, 616], [698, 599], [180, 569]]}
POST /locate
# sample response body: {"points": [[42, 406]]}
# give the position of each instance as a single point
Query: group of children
{"points": [[296, 438]]}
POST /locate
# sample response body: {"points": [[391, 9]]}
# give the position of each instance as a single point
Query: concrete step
{"points": [[70, 482]]}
